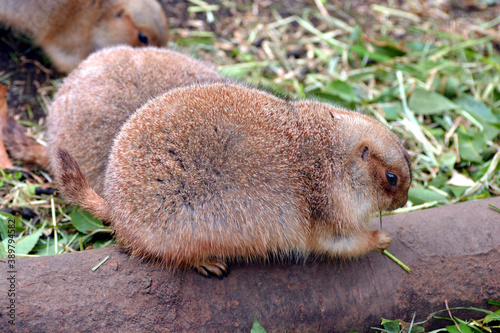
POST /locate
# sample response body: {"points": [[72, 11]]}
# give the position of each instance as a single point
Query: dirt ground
{"points": [[32, 79]]}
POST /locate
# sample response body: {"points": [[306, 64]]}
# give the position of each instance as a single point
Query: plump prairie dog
{"points": [[100, 95], [209, 173], [69, 30]]}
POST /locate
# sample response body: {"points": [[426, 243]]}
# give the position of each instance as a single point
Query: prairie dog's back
{"points": [[100, 95], [214, 169]]}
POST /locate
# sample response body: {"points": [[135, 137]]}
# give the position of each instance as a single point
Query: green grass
{"points": [[490, 322], [441, 96]]}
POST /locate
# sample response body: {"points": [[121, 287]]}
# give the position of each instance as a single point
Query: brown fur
{"points": [[100, 95], [69, 30], [78, 188], [208, 173]]}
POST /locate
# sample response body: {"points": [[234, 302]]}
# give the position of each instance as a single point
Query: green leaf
{"points": [[496, 125], [463, 328], [447, 161], [45, 249], [84, 221], [479, 111], [428, 102], [421, 195], [5, 217], [26, 243], [439, 180], [100, 243], [196, 40], [449, 85], [23, 245], [389, 48], [492, 317], [455, 190], [356, 34], [342, 90], [418, 46], [363, 51], [392, 110], [331, 99], [32, 189], [468, 152], [479, 108], [257, 327], [470, 149], [391, 326]]}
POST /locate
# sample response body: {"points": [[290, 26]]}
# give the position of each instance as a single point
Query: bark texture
{"points": [[453, 251]]}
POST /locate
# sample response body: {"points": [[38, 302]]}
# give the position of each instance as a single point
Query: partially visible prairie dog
{"points": [[209, 173], [100, 95], [69, 30]]}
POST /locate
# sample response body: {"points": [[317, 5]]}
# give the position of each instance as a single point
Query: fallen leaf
{"points": [[5, 162]]}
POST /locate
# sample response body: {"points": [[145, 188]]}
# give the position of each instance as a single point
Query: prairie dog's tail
{"points": [[74, 186]]}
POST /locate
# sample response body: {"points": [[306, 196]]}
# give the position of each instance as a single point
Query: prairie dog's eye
{"points": [[143, 38], [392, 179]]}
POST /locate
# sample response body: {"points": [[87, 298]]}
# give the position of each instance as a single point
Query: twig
{"points": [[449, 312], [397, 261], [99, 264]]}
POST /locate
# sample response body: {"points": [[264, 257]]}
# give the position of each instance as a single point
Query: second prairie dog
{"points": [[100, 95], [210, 173], [69, 30]]}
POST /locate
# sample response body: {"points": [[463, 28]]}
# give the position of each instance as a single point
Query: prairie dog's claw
{"points": [[209, 268]]}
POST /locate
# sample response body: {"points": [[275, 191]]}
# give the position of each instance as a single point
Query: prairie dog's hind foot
{"points": [[212, 267]]}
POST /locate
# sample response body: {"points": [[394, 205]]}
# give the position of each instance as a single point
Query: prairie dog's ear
{"points": [[119, 13]]}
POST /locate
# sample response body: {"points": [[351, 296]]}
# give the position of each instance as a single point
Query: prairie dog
{"points": [[209, 173], [100, 95], [69, 30]]}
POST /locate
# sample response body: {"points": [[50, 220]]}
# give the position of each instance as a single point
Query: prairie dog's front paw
{"points": [[383, 241]]}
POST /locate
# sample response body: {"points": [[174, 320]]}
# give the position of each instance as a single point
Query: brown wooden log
{"points": [[453, 251]]}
